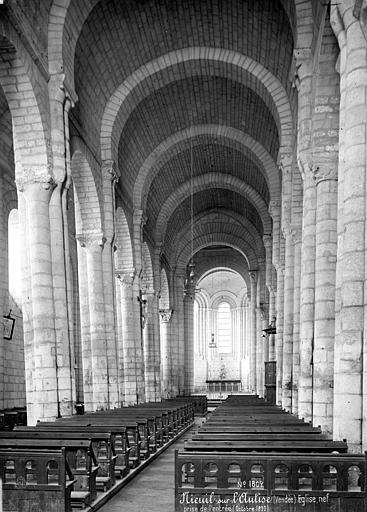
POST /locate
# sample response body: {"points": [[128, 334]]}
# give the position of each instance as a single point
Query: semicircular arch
{"points": [[171, 146], [213, 180], [120, 98]]}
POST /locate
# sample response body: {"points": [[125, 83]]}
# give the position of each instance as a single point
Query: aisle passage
{"points": [[152, 490]]}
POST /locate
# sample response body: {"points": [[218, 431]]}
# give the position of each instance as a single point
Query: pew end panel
{"points": [[272, 482], [36, 480]]}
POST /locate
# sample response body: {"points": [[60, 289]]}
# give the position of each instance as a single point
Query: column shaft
{"points": [[288, 323]]}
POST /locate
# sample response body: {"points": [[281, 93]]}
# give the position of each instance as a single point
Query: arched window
{"points": [[224, 328], [14, 248]]}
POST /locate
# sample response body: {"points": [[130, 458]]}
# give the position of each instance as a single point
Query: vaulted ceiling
{"points": [[192, 100]]}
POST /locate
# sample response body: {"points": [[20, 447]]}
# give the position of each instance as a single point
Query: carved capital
{"points": [[253, 276], [139, 218], [126, 279], [324, 173], [56, 87], [110, 171], [285, 163], [90, 240], [29, 177], [296, 233], [274, 208], [268, 242], [303, 65], [166, 315]]}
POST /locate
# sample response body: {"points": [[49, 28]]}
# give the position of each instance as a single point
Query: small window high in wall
{"points": [[224, 328]]}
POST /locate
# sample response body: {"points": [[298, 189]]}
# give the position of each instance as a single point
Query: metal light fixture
{"points": [[212, 342], [271, 329]]}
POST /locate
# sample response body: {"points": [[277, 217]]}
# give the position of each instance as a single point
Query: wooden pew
{"points": [[79, 456], [259, 445], [36, 479], [112, 424], [259, 428], [272, 481], [103, 446], [119, 435]]}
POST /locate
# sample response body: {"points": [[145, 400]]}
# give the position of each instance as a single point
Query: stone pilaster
{"points": [[259, 351], [119, 339], [95, 371], [178, 342], [189, 341], [132, 354], [307, 299], [268, 244], [167, 367], [278, 262], [64, 335], [297, 241], [253, 340], [110, 177], [288, 321], [152, 353]]}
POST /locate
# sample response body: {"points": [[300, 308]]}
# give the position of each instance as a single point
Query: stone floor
{"points": [[152, 490]]}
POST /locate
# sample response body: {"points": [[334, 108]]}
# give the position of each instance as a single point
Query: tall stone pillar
{"points": [[110, 177], [297, 240], [64, 340], [268, 244], [325, 266], [152, 353], [253, 280], [178, 325], [307, 299], [278, 262], [272, 314], [60, 104], [259, 352], [189, 341], [96, 369], [350, 269], [133, 375], [119, 339], [166, 344], [42, 376], [288, 321]]}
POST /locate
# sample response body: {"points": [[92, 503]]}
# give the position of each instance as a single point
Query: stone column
{"points": [[297, 240], [325, 266], [288, 321], [44, 400], [110, 178], [98, 377], [119, 339], [59, 108], [189, 341], [253, 340], [131, 346], [259, 351], [179, 341], [278, 262], [167, 367], [305, 78], [307, 299], [64, 342], [272, 314], [152, 358], [268, 244], [350, 269]]}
